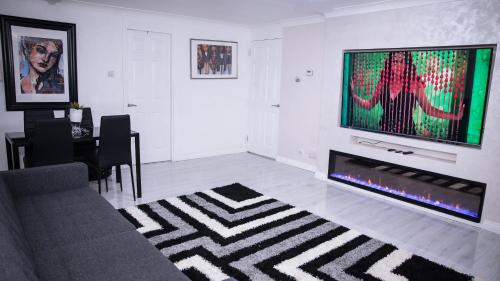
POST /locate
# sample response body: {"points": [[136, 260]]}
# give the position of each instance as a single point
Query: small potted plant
{"points": [[75, 112]]}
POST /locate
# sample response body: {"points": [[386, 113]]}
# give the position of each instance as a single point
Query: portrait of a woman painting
{"points": [[41, 66], [39, 63]]}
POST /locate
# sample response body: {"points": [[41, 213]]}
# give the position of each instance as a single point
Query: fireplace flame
{"points": [[401, 191]]}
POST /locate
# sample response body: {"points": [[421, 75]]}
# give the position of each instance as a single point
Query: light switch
{"points": [[111, 73]]}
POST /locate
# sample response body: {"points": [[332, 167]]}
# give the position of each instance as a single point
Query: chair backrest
{"points": [[87, 122], [114, 144], [31, 116], [52, 142]]}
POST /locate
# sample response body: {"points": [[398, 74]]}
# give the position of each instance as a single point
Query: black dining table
{"points": [[15, 140]]}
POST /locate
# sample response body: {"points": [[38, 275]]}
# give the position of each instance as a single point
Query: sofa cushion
{"points": [[70, 217], [125, 256], [15, 254]]}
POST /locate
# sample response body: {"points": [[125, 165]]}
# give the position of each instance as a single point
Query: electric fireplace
{"points": [[451, 195]]}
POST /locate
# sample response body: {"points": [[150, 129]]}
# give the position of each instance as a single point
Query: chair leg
{"points": [[132, 176], [118, 170], [106, 181], [99, 179]]}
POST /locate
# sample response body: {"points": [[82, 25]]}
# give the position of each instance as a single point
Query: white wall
{"points": [[457, 23], [209, 116], [300, 102], [267, 31]]}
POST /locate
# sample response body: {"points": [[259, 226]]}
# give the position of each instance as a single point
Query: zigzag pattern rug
{"points": [[234, 231]]}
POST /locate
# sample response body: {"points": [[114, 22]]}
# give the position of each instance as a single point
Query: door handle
{"points": [[276, 105], [131, 105]]}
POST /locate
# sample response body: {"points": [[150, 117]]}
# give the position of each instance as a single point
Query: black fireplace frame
{"points": [[331, 169]]}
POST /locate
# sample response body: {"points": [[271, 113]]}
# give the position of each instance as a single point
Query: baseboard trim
{"points": [[491, 226], [176, 158], [320, 176], [297, 164], [485, 224]]}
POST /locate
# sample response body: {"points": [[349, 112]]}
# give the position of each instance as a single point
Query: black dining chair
{"points": [[84, 150], [30, 117], [114, 147], [52, 142]]}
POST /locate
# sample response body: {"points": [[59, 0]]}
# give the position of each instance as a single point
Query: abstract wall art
{"points": [[214, 59]]}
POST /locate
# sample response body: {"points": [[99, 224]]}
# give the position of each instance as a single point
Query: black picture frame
{"points": [[6, 24], [193, 59]]}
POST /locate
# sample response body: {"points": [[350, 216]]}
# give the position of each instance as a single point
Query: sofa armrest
{"points": [[47, 179]]}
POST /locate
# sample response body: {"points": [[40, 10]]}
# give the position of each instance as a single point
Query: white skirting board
{"points": [[296, 164], [181, 157], [485, 224], [491, 226]]}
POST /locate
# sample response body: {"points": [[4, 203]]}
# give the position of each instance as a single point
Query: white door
{"points": [[265, 98], [147, 92]]}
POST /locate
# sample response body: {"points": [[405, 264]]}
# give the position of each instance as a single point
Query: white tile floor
{"points": [[465, 248]]}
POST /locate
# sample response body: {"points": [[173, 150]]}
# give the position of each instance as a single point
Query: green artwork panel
{"points": [[345, 91], [479, 91]]}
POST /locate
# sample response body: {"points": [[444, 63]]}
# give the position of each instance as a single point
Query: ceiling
{"points": [[247, 12]]}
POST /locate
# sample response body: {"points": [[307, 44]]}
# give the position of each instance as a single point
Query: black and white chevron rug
{"points": [[234, 231]]}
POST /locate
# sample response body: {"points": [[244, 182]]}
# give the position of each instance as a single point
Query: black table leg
{"points": [[118, 174], [15, 156], [138, 165], [8, 149]]}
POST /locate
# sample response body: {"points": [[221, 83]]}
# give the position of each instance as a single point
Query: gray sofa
{"points": [[54, 227]]}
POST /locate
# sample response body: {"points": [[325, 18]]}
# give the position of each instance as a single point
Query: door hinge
{"points": [[247, 138]]}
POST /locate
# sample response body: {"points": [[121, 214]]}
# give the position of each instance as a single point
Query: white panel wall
{"points": [[458, 23], [209, 116], [267, 31], [300, 101], [455, 23]]}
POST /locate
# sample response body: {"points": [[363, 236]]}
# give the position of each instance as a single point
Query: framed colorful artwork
{"points": [[39, 60], [214, 59]]}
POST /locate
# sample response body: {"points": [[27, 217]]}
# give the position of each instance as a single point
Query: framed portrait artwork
{"points": [[39, 60], [212, 59]]}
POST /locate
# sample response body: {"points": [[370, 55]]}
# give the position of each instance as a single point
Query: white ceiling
{"points": [[247, 12]]}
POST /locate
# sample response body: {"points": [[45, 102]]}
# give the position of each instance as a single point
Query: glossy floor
{"points": [[463, 247]]}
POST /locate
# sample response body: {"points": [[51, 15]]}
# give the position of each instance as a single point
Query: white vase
{"points": [[75, 115]]}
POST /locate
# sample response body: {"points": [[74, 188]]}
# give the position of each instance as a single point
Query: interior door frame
{"points": [[148, 29], [279, 83]]}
